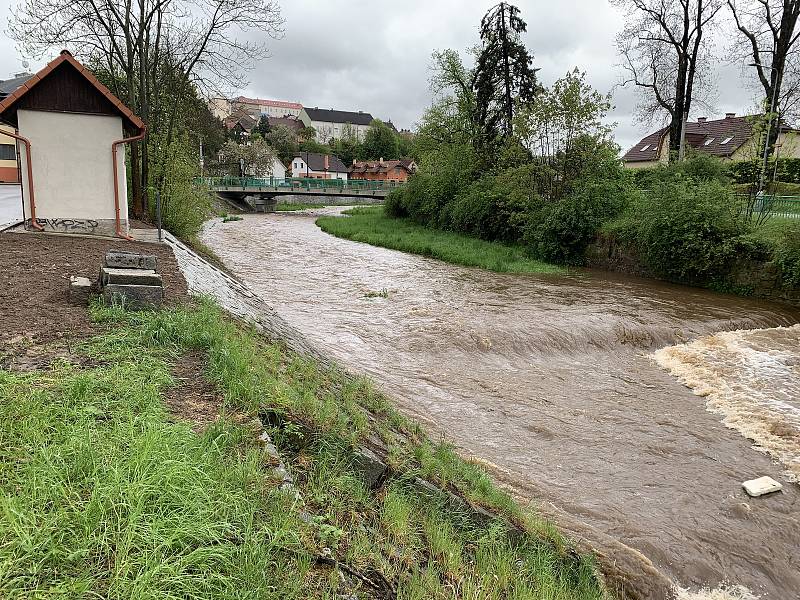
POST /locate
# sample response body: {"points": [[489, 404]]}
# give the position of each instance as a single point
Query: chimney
{"points": [[701, 119], [327, 163], [380, 162], [354, 162], [730, 115]]}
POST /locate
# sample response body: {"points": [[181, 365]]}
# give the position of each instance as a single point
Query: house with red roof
{"points": [[732, 138], [71, 131], [397, 171]]}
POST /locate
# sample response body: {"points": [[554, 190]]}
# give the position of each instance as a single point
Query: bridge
{"points": [[261, 194]]}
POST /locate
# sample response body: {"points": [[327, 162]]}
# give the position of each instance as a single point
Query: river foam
{"points": [[752, 379]]}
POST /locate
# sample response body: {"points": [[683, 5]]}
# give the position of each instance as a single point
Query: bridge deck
{"points": [[300, 187]]}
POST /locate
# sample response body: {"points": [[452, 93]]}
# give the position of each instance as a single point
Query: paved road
{"points": [[10, 204]]}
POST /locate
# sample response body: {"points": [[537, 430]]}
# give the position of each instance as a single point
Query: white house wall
{"points": [[72, 170]]}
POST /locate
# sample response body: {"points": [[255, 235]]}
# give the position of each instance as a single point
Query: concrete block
{"points": [[79, 289], [129, 277], [134, 297], [120, 259], [761, 486], [367, 464]]}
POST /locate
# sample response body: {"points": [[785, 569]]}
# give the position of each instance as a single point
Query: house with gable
{"points": [[71, 131], [732, 138], [318, 166]]}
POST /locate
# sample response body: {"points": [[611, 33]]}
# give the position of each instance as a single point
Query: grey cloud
{"points": [[375, 56]]}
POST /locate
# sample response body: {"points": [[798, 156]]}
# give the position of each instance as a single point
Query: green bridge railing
{"points": [[297, 183]]}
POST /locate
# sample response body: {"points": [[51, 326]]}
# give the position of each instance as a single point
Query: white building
{"points": [[222, 108], [73, 126], [318, 166], [336, 124]]}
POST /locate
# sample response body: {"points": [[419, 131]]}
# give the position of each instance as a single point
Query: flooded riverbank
{"points": [[551, 380]]}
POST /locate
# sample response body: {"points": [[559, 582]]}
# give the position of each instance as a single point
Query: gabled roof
{"points": [[316, 162], [720, 137], [272, 103], [339, 116], [648, 148], [292, 123], [66, 60], [375, 166]]}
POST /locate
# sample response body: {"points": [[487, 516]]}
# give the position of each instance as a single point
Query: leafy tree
{"points": [[380, 142], [284, 141], [503, 75], [159, 50], [307, 134], [256, 156], [555, 129], [664, 48]]}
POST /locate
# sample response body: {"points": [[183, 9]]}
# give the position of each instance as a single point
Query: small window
{"points": [[708, 141], [8, 152], [643, 148], [726, 140]]}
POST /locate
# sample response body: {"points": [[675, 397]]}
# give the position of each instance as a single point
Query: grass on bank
{"points": [[104, 494], [371, 225]]}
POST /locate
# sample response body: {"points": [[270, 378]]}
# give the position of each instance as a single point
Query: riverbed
{"points": [[553, 382]]}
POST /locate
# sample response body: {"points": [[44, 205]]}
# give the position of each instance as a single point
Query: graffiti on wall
{"points": [[69, 225]]}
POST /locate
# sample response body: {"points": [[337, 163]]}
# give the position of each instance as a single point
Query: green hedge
{"points": [[744, 172]]}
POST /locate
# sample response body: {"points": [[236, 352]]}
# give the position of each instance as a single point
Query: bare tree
{"points": [[664, 45], [768, 39], [146, 46]]}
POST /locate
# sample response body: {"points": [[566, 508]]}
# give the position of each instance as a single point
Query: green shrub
{"points": [[566, 228], [699, 167], [487, 210], [787, 254], [685, 229]]}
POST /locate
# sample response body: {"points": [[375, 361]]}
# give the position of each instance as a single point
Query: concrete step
{"points": [[120, 259], [109, 275]]}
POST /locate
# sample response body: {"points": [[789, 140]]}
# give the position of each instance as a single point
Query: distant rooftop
{"points": [[339, 116], [273, 103], [9, 86]]}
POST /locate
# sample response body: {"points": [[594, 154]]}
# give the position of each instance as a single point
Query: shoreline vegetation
{"points": [[372, 226], [111, 486]]}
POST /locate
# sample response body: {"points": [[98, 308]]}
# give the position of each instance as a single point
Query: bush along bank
{"points": [[683, 223], [106, 493]]}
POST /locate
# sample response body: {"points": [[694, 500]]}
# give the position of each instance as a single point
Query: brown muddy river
{"points": [[553, 382]]}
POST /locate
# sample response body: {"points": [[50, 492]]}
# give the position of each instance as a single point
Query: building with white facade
{"points": [[318, 166], [222, 108], [71, 130], [336, 124]]}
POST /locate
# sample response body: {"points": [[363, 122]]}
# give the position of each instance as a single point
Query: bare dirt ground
{"points": [[34, 282], [193, 398]]}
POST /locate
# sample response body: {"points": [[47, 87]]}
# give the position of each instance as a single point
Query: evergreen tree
{"points": [[503, 74]]}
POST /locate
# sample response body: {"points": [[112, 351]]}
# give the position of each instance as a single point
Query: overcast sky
{"points": [[375, 56]]}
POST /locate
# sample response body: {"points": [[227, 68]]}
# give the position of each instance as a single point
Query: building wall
{"points": [[327, 131], [298, 169], [220, 108], [9, 170], [72, 170]]}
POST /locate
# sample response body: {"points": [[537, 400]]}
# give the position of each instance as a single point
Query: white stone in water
{"points": [[761, 486]]}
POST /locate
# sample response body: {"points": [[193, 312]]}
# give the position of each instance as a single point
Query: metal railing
{"points": [[297, 183], [773, 205]]}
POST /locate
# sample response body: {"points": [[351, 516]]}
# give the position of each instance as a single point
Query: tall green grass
{"points": [[372, 226], [104, 495]]}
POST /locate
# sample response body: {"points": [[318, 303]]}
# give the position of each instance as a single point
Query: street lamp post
{"points": [[763, 175]]}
